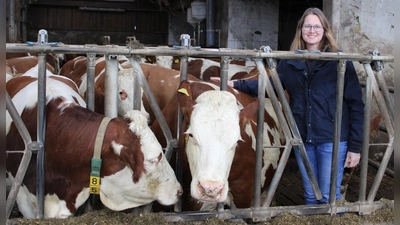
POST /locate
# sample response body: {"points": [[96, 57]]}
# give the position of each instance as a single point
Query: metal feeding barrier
{"points": [[375, 86]]}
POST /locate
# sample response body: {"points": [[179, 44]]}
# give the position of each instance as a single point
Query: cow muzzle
{"points": [[210, 191]]}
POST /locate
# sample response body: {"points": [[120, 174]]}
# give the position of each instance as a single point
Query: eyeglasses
{"points": [[317, 28]]}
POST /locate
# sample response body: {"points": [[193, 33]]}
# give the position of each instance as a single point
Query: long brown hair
{"points": [[326, 41]]}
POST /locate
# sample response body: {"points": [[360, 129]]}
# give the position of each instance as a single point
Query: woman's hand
{"points": [[217, 79], [352, 159]]}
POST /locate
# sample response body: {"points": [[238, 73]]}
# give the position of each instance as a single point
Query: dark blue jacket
{"points": [[313, 100]]}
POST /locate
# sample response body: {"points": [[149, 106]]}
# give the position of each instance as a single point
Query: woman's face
{"points": [[312, 32]]}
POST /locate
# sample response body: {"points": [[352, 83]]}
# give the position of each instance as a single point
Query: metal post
{"points": [[224, 65], [111, 86], [259, 136], [366, 134], [337, 130], [26, 158], [288, 136], [41, 129], [12, 35], [90, 95]]}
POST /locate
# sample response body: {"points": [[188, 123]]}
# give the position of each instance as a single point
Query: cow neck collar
{"points": [[100, 137]]}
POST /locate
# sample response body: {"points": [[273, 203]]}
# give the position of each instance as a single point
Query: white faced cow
{"points": [[134, 170], [217, 144]]}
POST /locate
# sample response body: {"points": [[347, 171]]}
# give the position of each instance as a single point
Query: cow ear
{"points": [[247, 113], [185, 99]]}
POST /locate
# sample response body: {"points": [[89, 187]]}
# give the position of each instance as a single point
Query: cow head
{"points": [[215, 126], [146, 177]]}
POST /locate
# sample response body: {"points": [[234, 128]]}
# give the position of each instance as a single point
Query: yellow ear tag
{"points": [[176, 61], [184, 91]]}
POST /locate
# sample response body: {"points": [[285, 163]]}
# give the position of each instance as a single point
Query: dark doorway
{"points": [[290, 12]]}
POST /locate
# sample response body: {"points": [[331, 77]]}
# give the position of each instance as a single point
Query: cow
{"points": [[163, 82], [54, 60], [76, 70], [217, 144], [134, 170], [205, 68], [19, 65]]}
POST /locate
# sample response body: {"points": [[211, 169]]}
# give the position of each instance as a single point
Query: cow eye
{"points": [[154, 161]]}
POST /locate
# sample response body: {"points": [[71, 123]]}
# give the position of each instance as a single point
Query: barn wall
{"points": [[251, 24], [363, 25], [69, 22]]}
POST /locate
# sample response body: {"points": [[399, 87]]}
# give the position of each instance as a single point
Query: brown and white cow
{"points": [[134, 170], [19, 65], [76, 70], [217, 144]]}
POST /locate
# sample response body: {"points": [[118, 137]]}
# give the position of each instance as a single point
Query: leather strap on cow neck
{"points": [[94, 184], [100, 137]]}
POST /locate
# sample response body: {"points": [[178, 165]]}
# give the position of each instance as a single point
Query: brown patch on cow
{"points": [[16, 84], [186, 100], [247, 113], [123, 95]]}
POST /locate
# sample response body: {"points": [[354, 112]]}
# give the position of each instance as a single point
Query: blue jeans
{"points": [[320, 156]]}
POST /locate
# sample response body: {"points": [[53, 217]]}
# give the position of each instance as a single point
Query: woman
{"points": [[311, 85]]}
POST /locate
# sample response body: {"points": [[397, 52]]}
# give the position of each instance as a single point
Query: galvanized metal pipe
{"points": [[224, 65], [261, 215], [26, 158], [337, 129], [137, 93], [90, 70], [385, 92], [154, 106], [260, 131], [286, 130], [234, 53], [41, 131], [12, 27], [366, 134], [390, 128], [111, 87]]}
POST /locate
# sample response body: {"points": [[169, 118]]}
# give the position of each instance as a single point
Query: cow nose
{"points": [[210, 190]]}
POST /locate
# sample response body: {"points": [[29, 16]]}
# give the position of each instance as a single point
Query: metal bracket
{"points": [[271, 62], [261, 215], [185, 43], [35, 147], [376, 65], [42, 40]]}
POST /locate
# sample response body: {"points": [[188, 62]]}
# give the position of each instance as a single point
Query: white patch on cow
{"points": [[116, 148], [55, 208], [26, 201], [214, 129], [118, 192], [27, 97], [126, 82]]}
